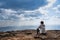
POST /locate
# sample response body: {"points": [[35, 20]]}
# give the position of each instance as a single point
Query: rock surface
{"points": [[29, 35]]}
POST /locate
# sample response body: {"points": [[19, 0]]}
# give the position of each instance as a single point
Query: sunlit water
{"points": [[9, 28]]}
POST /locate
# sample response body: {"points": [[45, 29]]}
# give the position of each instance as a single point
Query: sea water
{"points": [[14, 28]]}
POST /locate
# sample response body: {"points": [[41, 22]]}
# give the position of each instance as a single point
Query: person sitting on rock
{"points": [[41, 28]]}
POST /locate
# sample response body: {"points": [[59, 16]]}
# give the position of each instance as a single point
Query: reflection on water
{"points": [[9, 28]]}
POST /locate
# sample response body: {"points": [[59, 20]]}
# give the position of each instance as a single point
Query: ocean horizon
{"points": [[14, 28]]}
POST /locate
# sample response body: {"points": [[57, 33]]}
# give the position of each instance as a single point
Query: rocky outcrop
{"points": [[30, 35]]}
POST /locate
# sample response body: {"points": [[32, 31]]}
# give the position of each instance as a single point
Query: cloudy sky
{"points": [[29, 12]]}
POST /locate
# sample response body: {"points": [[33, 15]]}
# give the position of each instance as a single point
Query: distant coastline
{"points": [[14, 28]]}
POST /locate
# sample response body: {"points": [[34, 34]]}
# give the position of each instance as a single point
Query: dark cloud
{"points": [[23, 4]]}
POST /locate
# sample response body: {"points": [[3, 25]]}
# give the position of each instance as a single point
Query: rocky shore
{"points": [[29, 35]]}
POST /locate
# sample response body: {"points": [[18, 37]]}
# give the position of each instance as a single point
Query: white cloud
{"points": [[34, 22], [50, 3], [57, 9], [26, 21], [42, 10], [53, 21], [8, 11]]}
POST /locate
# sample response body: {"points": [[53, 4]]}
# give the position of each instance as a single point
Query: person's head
{"points": [[42, 22]]}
